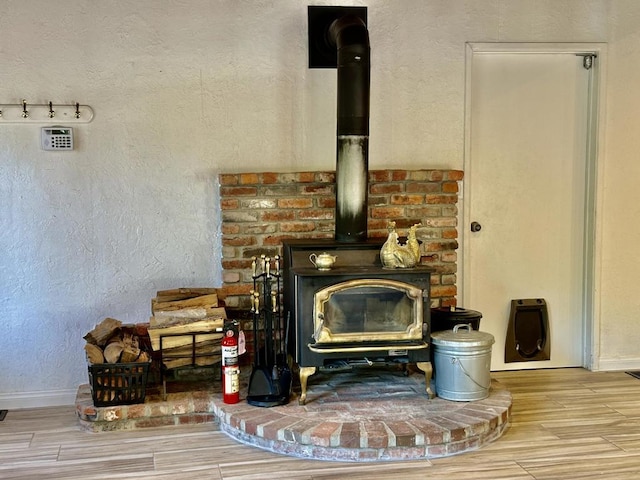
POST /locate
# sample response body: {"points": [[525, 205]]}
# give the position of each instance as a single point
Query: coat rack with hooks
{"points": [[45, 113]]}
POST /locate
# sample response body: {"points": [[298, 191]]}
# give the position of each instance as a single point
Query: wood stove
{"points": [[355, 313]]}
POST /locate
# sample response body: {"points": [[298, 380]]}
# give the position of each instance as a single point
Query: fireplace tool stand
{"points": [[270, 381]]}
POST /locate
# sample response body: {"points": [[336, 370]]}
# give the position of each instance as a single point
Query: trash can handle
{"points": [[462, 325]]}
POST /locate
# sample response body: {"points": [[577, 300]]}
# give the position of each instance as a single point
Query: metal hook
{"points": [[51, 112], [77, 110], [25, 113]]}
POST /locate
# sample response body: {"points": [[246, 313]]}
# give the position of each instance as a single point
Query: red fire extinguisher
{"points": [[230, 368]]}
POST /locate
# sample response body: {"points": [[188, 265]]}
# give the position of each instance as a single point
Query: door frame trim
{"points": [[593, 188]]}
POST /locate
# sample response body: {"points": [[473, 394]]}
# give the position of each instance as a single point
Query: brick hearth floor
{"points": [[359, 415]]}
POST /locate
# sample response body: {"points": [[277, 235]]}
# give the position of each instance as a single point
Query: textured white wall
{"points": [[620, 171], [183, 90]]}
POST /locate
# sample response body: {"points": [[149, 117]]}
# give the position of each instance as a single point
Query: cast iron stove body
{"points": [[355, 313]]}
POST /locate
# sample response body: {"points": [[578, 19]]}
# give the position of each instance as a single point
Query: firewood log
{"points": [[200, 361], [116, 338], [129, 354], [209, 301], [94, 353], [212, 325], [183, 293], [143, 357], [113, 382], [103, 331], [113, 351], [185, 315], [130, 340]]}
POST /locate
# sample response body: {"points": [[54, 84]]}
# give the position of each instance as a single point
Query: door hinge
{"points": [[587, 59]]}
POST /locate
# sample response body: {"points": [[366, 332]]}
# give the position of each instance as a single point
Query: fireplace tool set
{"points": [[270, 381]]}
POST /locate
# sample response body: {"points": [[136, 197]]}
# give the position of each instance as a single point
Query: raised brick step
{"points": [[195, 405], [359, 415]]}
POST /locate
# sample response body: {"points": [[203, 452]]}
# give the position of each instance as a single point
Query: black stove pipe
{"points": [[350, 36]]}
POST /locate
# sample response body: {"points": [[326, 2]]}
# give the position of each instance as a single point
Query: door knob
{"points": [[475, 227]]}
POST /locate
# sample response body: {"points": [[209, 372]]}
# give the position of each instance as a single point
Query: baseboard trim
{"points": [[44, 398], [615, 364]]}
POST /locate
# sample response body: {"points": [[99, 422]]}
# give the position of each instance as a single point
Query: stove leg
{"points": [[428, 372], [305, 373]]}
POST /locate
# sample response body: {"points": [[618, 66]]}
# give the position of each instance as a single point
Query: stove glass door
{"points": [[368, 310]]}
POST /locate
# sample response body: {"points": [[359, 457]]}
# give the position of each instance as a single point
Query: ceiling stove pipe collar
{"points": [[350, 37]]}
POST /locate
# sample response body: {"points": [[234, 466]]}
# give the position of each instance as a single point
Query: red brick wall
{"points": [[259, 210]]}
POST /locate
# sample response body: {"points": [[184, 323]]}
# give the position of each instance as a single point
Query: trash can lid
{"points": [[455, 313], [462, 335]]}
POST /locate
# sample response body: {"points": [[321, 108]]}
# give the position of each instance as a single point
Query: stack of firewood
{"points": [[109, 342], [188, 320]]}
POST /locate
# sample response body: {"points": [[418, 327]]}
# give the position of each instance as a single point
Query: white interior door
{"points": [[525, 181]]}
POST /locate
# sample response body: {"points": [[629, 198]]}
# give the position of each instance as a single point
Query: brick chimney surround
{"points": [[259, 210]]}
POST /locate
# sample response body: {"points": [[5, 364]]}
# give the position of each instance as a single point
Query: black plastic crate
{"points": [[118, 383]]}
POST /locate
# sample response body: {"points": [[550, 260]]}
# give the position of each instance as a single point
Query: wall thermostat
{"points": [[57, 138]]}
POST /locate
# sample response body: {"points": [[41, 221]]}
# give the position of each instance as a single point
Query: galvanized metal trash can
{"points": [[462, 358]]}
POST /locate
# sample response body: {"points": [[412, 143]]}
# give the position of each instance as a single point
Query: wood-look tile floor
{"points": [[565, 424]]}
